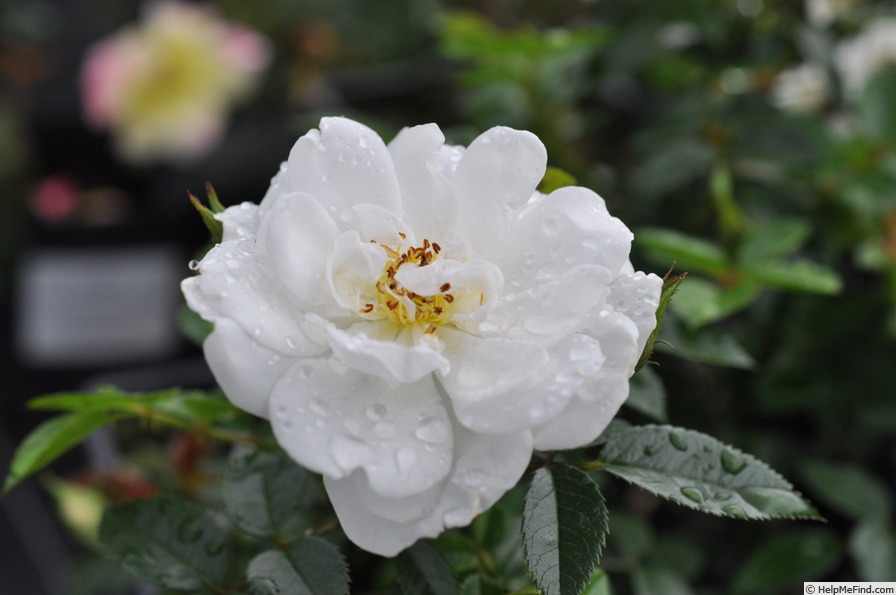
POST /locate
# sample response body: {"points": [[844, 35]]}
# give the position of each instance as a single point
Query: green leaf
{"points": [[873, 549], [265, 494], [788, 560], [647, 395], [564, 529], [106, 398], [848, 489], [795, 275], [166, 541], [490, 528], [192, 326], [423, 571], [52, 439], [598, 585], [669, 289], [876, 106], [700, 302], [698, 471], [310, 566], [708, 346], [674, 166], [774, 239], [215, 227], [555, 178], [658, 580], [689, 252], [185, 410]]}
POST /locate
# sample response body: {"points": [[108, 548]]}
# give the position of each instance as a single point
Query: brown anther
{"points": [[438, 310], [481, 298], [445, 287], [430, 329], [449, 298], [392, 304], [436, 248], [367, 308], [426, 299], [403, 236], [425, 244]]}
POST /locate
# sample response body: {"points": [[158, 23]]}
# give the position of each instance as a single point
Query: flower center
{"points": [[403, 306]]}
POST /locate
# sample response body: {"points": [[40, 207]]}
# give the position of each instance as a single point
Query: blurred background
{"points": [[749, 142]]}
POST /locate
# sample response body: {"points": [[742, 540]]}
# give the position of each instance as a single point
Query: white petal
{"points": [[582, 421], [488, 375], [380, 225], [298, 234], [334, 423], [547, 311], [601, 395], [246, 371], [569, 228], [374, 532], [239, 221], [233, 284], [637, 295], [389, 359], [485, 468], [551, 385], [426, 197], [353, 268], [497, 174], [343, 165]]}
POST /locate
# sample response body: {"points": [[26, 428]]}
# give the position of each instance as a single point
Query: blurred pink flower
{"points": [[165, 87]]}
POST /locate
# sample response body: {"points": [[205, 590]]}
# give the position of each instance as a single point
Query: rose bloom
{"points": [[860, 57], [414, 319], [164, 88]]}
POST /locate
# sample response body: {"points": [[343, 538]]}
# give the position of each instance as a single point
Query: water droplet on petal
{"points": [[550, 225], [194, 265], [474, 478], [591, 242], [692, 494], [376, 412], [324, 178], [434, 430], [319, 407]]}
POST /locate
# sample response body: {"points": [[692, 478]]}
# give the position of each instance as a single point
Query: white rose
{"points": [[415, 318]]}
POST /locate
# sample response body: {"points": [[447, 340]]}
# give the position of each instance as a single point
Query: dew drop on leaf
{"points": [[732, 462], [678, 441], [692, 494], [735, 511]]}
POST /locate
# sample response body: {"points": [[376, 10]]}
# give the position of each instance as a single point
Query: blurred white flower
{"points": [[822, 13], [804, 88], [165, 87], [415, 318], [860, 57]]}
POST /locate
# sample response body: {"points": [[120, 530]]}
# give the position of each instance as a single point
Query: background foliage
{"points": [[780, 342]]}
